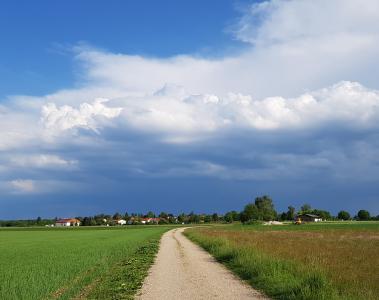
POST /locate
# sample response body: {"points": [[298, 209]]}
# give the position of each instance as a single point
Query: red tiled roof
{"points": [[72, 220]]}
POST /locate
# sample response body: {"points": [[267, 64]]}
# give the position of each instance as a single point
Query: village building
{"points": [[309, 218], [150, 220], [67, 222], [120, 222], [139, 220]]}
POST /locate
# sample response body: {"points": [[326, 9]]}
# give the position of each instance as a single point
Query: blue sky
{"points": [[180, 106], [40, 34]]}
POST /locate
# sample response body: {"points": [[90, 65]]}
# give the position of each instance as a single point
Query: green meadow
{"points": [[76, 263]]}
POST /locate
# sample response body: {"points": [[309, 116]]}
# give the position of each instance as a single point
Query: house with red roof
{"points": [[67, 222], [150, 220]]}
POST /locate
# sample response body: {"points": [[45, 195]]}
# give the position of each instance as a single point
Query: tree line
{"points": [[162, 218], [261, 209]]}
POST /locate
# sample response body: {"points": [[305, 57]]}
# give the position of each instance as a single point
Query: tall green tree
{"points": [[343, 215], [236, 215], [194, 218], [324, 214], [250, 212], [150, 214], [363, 215], [306, 208], [182, 218], [228, 218], [231, 216], [283, 216], [265, 208], [215, 217], [163, 215], [117, 216], [261, 209], [291, 213], [208, 218]]}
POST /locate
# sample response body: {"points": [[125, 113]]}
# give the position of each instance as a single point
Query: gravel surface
{"points": [[183, 270]]}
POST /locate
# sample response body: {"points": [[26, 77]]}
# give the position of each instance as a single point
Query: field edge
{"points": [[276, 278], [125, 278]]}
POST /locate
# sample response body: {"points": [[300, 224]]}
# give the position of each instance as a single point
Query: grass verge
{"points": [[125, 278], [277, 278]]}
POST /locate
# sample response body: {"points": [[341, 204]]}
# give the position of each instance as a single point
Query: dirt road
{"points": [[183, 270]]}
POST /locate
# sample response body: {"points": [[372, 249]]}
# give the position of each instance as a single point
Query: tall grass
{"points": [[64, 264], [277, 278], [293, 263]]}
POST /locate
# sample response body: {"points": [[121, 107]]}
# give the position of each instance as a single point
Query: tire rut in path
{"points": [[182, 270]]}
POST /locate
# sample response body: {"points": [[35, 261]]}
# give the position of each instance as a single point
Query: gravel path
{"points": [[183, 270]]}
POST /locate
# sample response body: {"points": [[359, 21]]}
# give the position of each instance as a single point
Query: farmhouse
{"points": [[150, 220], [67, 222], [120, 222], [310, 218]]}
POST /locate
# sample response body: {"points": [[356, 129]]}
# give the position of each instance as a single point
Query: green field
{"points": [[75, 263], [310, 261]]}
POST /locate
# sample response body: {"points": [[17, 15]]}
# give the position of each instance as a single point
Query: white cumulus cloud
{"points": [[67, 117], [346, 103]]}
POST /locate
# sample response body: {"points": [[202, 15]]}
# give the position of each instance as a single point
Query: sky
{"points": [[187, 105]]}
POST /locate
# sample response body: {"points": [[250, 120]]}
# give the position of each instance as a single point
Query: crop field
{"points": [[312, 261], [75, 263]]}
